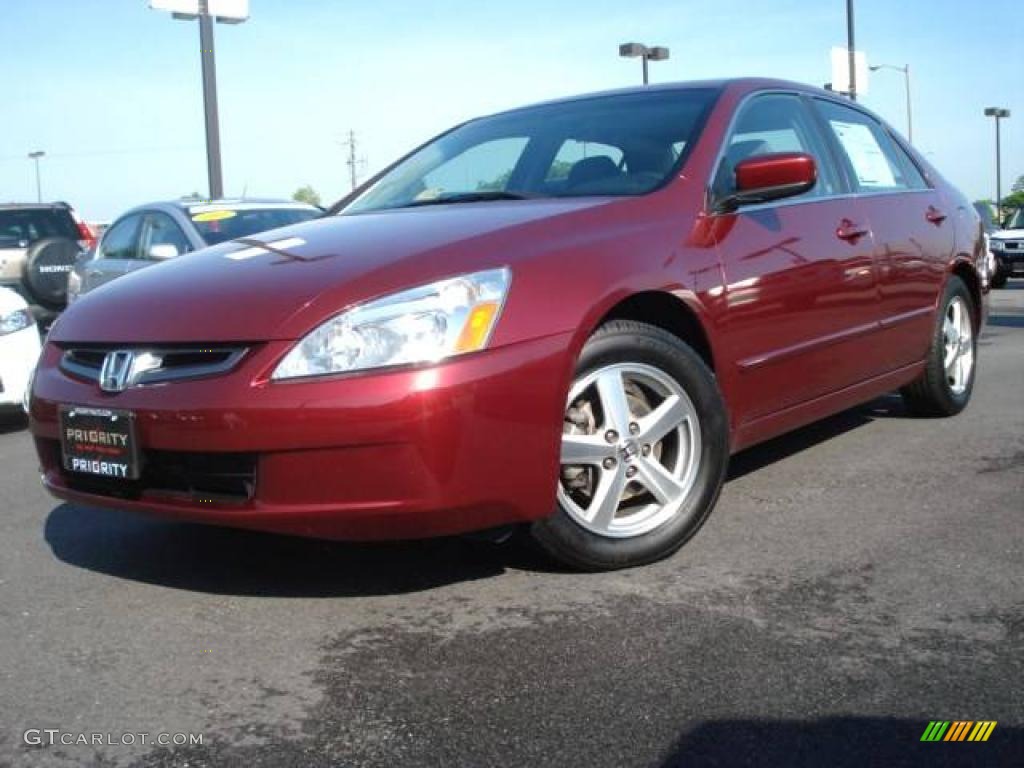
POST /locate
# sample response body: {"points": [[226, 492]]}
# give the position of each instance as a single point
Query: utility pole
{"points": [[353, 162]]}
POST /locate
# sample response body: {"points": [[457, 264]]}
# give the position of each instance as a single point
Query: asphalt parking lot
{"points": [[859, 578]]}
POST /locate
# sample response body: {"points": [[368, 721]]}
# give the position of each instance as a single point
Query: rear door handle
{"points": [[934, 215], [851, 231]]}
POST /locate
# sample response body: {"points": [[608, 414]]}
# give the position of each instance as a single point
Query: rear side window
{"points": [[875, 162], [22, 227], [771, 123]]}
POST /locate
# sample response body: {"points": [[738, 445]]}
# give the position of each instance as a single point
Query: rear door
{"points": [[913, 230], [117, 253], [800, 295]]}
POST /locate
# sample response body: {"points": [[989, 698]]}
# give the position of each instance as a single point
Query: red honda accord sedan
{"points": [[566, 316]]}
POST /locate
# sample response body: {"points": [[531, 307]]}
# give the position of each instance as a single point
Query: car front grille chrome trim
{"points": [[117, 369]]}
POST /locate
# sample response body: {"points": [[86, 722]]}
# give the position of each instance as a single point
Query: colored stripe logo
{"points": [[958, 730]]}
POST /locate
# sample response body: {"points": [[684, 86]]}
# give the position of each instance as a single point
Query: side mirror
{"points": [[771, 177], [162, 251]]}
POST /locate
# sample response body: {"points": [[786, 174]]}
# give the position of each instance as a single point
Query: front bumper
{"points": [[466, 445], [1009, 262]]}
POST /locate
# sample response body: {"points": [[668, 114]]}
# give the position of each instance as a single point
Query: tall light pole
{"points": [[35, 155], [999, 114], [645, 54], [851, 50], [905, 69], [227, 11]]}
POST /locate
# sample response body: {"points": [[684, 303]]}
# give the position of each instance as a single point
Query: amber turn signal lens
{"points": [[478, 327]]}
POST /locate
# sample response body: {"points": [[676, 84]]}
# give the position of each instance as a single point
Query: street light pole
{"points": [[213, 164], [998, 113], [35, 155], [645, 54], [851, 50], [905, 69], [227, 12]]}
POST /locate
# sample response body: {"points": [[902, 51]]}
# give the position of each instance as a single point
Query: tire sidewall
{"points": [[653, 347]]}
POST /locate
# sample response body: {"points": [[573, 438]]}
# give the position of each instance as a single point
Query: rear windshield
{"points": [[223, 224], [20, 228], [621, 144]]}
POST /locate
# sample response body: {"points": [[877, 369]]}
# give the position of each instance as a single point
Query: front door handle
{"points": [[934, 215], [850, 231]]}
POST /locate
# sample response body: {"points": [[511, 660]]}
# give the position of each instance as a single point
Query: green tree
{"points": [[1018, 185], [307, 194]]}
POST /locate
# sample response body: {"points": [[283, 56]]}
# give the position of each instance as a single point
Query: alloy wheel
{"points": [[631, 448], [957, 334]]}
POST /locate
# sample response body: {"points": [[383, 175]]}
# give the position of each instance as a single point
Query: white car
{"points": [[19, 349]]}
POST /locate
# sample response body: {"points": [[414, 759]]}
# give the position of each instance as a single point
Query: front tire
{"points": [[945, 386], [645, 448]]}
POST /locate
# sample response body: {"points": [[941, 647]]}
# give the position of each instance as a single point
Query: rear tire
{"points": [[644, 452], [944, 387]]}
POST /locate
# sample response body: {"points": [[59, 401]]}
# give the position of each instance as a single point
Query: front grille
{"points": [[153, 365], [199, 477]]}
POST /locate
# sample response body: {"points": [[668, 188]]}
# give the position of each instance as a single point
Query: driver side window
{"points": [[774, 123], [121, 240]]}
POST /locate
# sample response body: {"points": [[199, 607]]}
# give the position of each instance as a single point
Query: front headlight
{"points": [[995, 245], [425, 324], [16, 321]]}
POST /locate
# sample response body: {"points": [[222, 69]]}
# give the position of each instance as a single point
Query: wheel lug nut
{"points": [[611, 435], [646, 450], [634, 428], [630, 471], [608, 463]]}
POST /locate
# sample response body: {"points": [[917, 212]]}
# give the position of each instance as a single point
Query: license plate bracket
{"points": [[99, 442]]}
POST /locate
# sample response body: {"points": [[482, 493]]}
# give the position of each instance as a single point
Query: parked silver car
{"points": [[156, 232]]}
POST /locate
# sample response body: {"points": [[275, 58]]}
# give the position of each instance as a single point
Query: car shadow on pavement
{"points": [[238, 562], [752, 459], [839, 742], [14, 421]]}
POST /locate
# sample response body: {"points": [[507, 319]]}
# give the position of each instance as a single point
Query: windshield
{"points": [[625, 144], [222, 224], [20, 227], [1015, 220]]}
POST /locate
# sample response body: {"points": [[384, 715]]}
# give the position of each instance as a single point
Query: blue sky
{"points": [[111, 89]]}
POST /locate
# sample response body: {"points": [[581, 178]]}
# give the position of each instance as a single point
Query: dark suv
{"points": [[39, 244]]}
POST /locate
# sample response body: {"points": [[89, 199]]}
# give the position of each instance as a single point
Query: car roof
{"points": [[32, 206], [186, 205], [743, 84]]}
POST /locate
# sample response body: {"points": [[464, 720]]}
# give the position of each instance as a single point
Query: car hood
{"points": [[1007, 234], [236, 292]]}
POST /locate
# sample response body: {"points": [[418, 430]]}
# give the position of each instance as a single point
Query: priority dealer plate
{"points": [[99, 442]]}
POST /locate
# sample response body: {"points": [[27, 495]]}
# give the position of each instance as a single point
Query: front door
{"points": [[800, 294]]}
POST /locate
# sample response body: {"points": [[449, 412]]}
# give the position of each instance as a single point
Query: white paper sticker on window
{"points": [[868, 159]]}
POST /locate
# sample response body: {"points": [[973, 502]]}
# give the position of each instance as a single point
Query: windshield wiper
{"points": [[470, 197]]}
